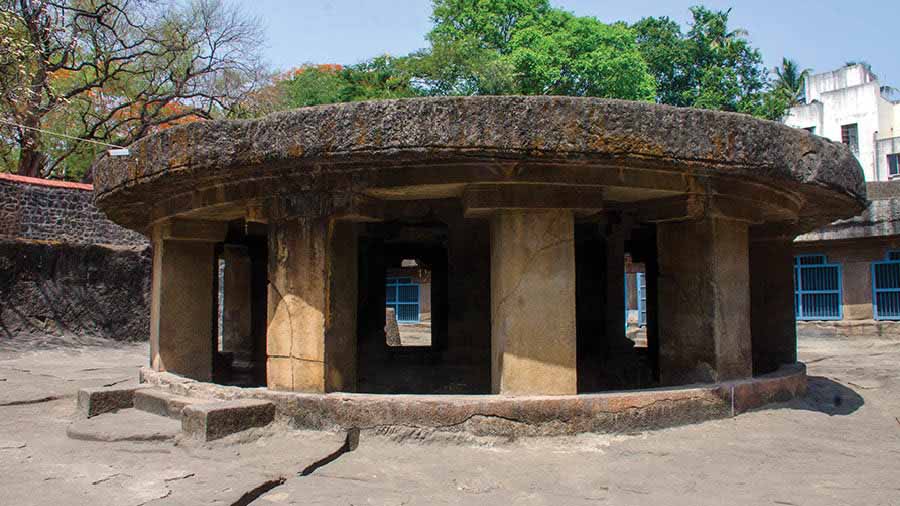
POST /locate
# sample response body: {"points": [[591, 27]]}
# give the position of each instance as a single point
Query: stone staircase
{"points": [[201, 419]]}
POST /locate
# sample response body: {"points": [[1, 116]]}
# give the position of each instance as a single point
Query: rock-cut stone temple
{"points": [[274, 238]]}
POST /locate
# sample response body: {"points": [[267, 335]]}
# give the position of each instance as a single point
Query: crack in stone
{"points": [[255, 493], [290, 326], [525, 269], [351, 442], [49, 398]]}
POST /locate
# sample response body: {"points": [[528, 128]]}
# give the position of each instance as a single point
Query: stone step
{"points": [[162, 403], [215, 420], [96, 401]]}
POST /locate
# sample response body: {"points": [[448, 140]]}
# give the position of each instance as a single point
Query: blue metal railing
{"points": [[402, 295], [817, 289], [886, 288]]}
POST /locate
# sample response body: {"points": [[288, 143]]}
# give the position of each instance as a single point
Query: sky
{"points": [[821, 35]]}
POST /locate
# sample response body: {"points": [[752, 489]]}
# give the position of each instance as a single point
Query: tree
{"points": [[711, 66], [528, 47], [115, 71], [790, 81]]}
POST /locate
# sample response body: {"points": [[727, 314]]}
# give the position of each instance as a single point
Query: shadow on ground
{"points": [[825, 395]]}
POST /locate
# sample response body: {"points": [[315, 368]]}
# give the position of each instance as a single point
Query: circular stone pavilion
{"points": [[282, 230]]}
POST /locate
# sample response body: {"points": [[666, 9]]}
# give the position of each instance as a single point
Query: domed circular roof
{"points": [[363, 146]]}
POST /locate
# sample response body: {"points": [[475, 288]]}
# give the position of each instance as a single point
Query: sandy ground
{"points": [[838, 446]]}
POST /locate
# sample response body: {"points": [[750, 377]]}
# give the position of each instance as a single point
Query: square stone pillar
{"points": [[704, 301], [772, 319], [237, 332], [182, 300], [311, 343], [533, 302], [615, 291]]}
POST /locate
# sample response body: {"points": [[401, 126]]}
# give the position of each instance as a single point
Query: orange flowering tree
{"points": [[113, 72]]}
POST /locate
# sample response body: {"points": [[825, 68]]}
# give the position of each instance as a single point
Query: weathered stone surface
{"points": [[772, 324], [511, 416], [82, 290], [209, 421], [704, 302], [162, 403], [96, 401], [533, 302], [182, 307], [449, 140], [391, 328], [41, 210], [125, 425]]}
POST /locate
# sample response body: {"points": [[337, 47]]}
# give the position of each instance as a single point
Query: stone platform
{"points": [[507, 416]]}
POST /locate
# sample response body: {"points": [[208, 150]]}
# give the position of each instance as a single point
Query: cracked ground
{"points": [[840, 445]]}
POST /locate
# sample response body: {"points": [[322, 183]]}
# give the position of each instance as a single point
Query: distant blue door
{"points": [[886, 288], [817, 289], [402, 295]]}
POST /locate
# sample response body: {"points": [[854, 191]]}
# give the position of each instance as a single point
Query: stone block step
{"points": [[214, 420], [96, 401], [162, 403]]}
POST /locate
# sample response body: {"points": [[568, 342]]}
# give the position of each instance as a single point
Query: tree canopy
{"points": [[115, 71]]}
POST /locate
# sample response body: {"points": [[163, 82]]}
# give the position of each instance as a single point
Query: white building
{"points": [[847, 105]]}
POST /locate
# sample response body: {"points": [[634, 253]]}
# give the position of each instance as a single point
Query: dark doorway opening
{"points": [[240, 317]]}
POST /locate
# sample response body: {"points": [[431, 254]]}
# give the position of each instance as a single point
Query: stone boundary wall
{"points": [[44, 210], [68, 275]]}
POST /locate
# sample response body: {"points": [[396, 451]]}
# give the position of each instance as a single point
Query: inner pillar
{"points": [[703, 301], [772, 321], [615, 291], [312, 293], [533, 302], [237, 332], [182, 302]]}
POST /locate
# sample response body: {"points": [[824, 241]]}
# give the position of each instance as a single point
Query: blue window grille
{"points": [[402, 295], [886, 287], [817, 288], [641, 283]]}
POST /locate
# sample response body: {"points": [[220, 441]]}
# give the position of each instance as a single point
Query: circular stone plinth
{"points": [[496, 415], [433, 147]]}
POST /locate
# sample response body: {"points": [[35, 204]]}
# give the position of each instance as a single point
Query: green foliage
{"points": [[382, 77], [711, 66], [495, 47]]}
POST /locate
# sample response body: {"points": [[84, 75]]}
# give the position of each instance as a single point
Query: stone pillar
{"points": [[772, 323], [182, 302], [341, 321], [704, 301], [615, 291], [533, 302], [237, 333], [312, 306]]}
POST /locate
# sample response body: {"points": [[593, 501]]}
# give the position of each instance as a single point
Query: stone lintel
{"points": [[192, 230], [691, 207], [780, 231], [480, 200]]}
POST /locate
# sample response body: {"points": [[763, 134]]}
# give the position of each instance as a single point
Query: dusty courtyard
{"points": [[840, 445]]}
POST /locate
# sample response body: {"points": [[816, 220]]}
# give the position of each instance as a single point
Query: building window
{"points": [[817, 288], [886, 287], [893, 164], [850, 137], [811, 129], [402, 295]]}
